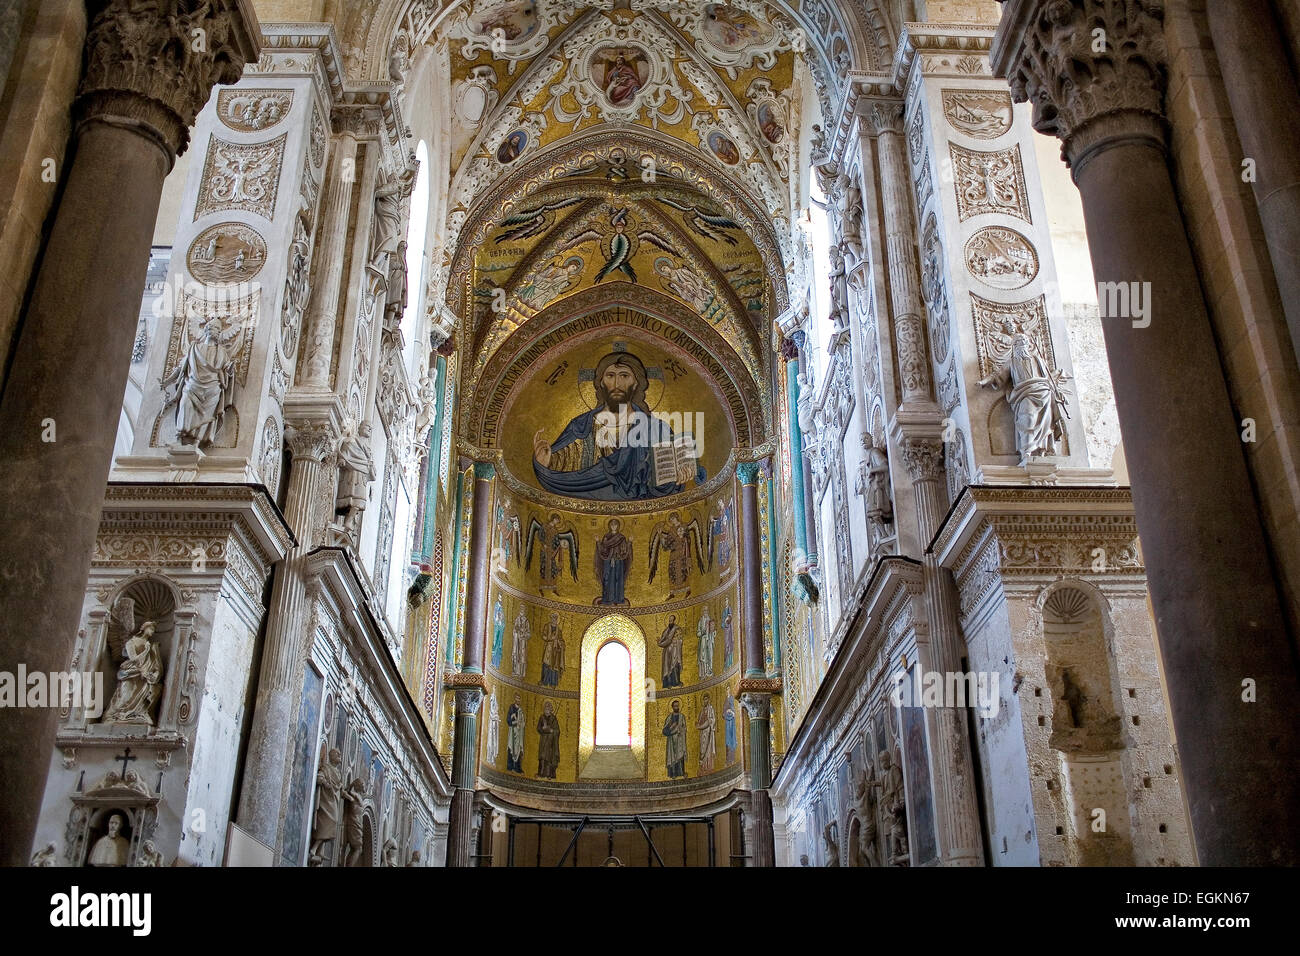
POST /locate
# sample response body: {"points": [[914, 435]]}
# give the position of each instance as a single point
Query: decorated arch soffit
{"points": [[835, 36]]}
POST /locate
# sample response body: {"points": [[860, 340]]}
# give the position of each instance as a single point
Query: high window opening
{"points": [[613, 696]]}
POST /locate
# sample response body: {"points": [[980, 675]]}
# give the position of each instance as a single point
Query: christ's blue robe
{"points": [[626, 474]]}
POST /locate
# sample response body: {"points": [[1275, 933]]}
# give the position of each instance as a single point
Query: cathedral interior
{"points": [[532, 433]]}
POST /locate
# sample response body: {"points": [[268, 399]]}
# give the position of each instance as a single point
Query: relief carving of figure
{"points": [[329, 786], [849, 206], [391, 195], [832, 845], [139, 678], [395, 301], [894, 801], [879, 503], [352, 830], [203, 384], [867, 804], [1034, 391]]}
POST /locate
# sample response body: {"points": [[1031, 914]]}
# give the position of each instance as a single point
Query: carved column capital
{"points": [[757, 705], [151, 66], [1094, 70], [886, 117], [311, 440], [923, 458]]}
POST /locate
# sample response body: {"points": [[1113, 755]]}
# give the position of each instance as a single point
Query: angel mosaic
{"points": [[682, 543], [551, 539]]}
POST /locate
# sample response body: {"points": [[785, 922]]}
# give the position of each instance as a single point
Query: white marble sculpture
{"points": [[139, 680], [1034, 391], [203, 384]]}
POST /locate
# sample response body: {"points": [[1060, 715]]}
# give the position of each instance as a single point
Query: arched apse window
{"points": [[613, 696], [613, 700], [416, 233]]}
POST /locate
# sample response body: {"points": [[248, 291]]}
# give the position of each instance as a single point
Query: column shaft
{"points": [[1261, 88], [1215, 598], [279, 685], [751, 571], [328, 279]]}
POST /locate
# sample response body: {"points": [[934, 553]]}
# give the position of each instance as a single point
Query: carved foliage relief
{"points": [[989, 182]]}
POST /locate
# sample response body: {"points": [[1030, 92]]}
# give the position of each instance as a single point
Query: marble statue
{"points": [[849, 206], [329, 785], [352, 830], [139, 678], [391, 195], [390, 853], [832, 845], [415, 858], [1034, 391], [203, 384], [894, 801], [43, 857], [428, 392], [356, 471], [839, 283], [111, 849], [879, 502], [395, 301], [149, 855], [866, 801]]}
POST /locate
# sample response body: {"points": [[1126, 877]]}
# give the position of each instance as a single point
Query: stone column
{"points": [[468, 684], [751, 582], [460, 833], [758, 705], [901, 257], [327, 281], [312, 444], [956, 809], [142, 86], [1229, 660], [1261, 88]]}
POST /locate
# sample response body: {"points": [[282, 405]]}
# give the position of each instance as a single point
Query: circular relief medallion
{"points": [[1001, 257], [226, 252]]}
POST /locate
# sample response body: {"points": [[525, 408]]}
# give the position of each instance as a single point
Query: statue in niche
{"points": [[396, 299], [1075, 700], [894, 800], [680, 541], [515, 719], [849, 206], [1035, 392], [519, 648], [613, 561], [493, 731], [707, 725], [428, 392], [706, 631], [865, 788], [415, 858], [832, 845], [203, 384], [354, 807], [839, 291], [675, 748], [548, 741], [625, 466], [389, 857], [880, 506], [112, 848], [552, 652], [139, 680], [329, 787], [671, 641], [552, 538], [356, 471], [391, 195]]}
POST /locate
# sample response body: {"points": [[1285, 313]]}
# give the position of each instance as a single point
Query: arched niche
{"points": [[1086, 727], [612, 763]]}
